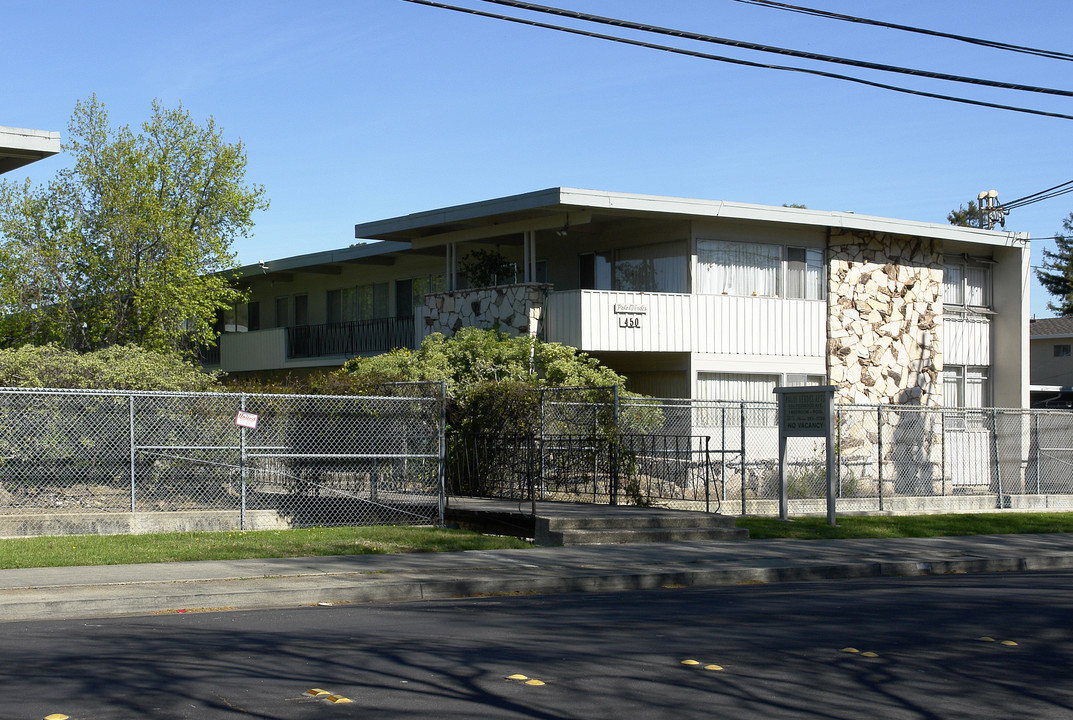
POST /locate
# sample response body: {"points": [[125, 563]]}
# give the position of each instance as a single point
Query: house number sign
{"points": [[629, 316]]}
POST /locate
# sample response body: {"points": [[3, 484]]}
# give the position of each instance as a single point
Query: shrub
{"points": [[114, 368]]}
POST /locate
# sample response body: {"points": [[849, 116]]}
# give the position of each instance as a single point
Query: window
{"points": [[254, 315], [234, 319], [301, 310], [967, 388], [1062, 350], [804, 273], [541, 271], [801, 380], [372, 301], [411, 293], [734, 387], [966, 285], [734, 268], [334, 306], [660, 267], [283, 312], [651, 268]]}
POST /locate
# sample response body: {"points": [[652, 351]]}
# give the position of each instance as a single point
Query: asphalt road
{"points": [[762, 651]]}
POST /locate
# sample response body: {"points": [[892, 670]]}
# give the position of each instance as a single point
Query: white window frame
{"points": [[971, 385], [963, 293]]}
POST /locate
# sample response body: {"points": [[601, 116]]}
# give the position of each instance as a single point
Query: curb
{"points": [[167, 597]]}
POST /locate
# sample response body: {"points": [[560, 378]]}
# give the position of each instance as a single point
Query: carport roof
{"points": [[20, 146]]}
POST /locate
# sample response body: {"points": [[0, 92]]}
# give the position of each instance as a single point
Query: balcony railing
{"points": [[350, 338]]}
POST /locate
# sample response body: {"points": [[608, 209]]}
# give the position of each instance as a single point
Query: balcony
{"points": [[355, 337], [312, 345], [618, 321]]}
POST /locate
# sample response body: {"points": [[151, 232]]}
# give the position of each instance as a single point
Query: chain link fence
{"points": [[719, 456], [100, 462], [588, 445]]}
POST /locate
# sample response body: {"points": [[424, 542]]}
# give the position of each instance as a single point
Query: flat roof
{"points": [[352, 254], [21, 146], [544, 205]]}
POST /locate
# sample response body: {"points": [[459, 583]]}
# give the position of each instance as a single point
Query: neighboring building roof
{"points": [[1050, 328], [19, 146], [558, 206]]}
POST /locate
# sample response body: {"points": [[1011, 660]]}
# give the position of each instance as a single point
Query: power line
{"points": [[1051, 192], [1052, 54], [687, 35], [735, 61]]}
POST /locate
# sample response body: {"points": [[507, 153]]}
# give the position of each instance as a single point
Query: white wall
{"points": [[601, 321]]}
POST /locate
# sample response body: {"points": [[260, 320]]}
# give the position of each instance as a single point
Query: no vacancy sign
{"points": [[246, 420]]}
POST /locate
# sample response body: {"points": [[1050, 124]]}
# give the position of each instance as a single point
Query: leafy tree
{"points": [[1056, 274], [132, 243], [966, 216], [489, 375]]}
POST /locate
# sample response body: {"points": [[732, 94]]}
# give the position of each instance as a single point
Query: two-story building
{"points": [[687, 298]]}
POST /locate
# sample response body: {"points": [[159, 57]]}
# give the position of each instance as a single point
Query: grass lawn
{"points": [[899, 526], [173, 547], [306, 542]]}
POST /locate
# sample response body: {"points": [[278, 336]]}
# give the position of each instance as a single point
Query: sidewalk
{"points": [[86, 592]]}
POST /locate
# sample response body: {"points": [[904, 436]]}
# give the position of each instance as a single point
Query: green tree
{"points": [[966, 216], [1056, 274], [132, 243]]}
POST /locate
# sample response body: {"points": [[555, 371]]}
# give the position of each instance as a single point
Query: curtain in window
{"points": [[953, 285], [976, 388], [976, 286], [952, 387], [731, 268]]}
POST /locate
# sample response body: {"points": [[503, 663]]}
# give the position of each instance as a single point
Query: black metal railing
{"points": [[625, 469], [350, 338]]}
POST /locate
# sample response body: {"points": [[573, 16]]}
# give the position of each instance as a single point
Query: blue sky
{"points": [[358, 110]]}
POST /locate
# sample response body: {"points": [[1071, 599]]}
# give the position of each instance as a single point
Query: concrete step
{"points": [[640, 522], [642, 535]]}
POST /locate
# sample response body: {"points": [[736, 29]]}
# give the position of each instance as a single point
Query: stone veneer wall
{"points": [[515, 309], [884, 318]]}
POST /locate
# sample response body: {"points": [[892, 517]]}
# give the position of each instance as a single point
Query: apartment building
{"points": [[688, 298]]}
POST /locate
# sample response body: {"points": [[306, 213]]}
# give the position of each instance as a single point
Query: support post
{"points": [[242, 466], [879, 458], [133, 453], [996, 472], [742, 457]]}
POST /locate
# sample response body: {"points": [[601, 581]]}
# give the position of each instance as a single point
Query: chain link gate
{"points": [[78, 461]]}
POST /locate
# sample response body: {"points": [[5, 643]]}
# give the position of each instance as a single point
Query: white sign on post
{"points": [[246, 420]]}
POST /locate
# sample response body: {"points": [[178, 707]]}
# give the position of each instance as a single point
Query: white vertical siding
{"points": [[760, 326], [966, 340], [711, 324]]}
